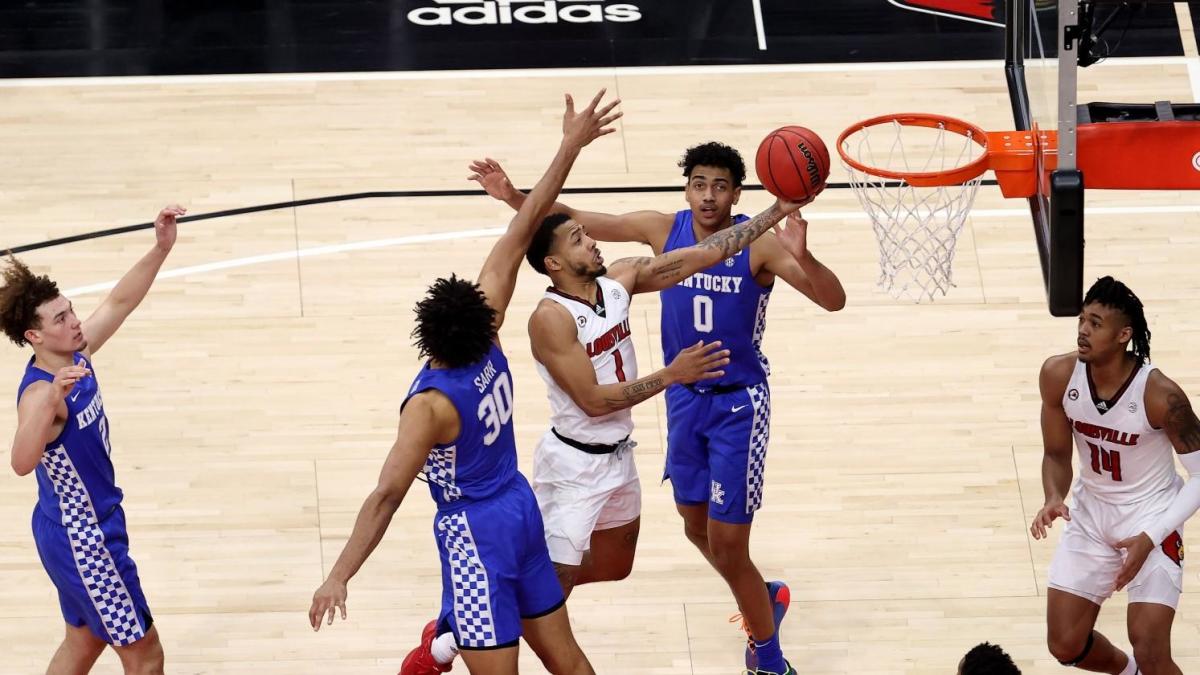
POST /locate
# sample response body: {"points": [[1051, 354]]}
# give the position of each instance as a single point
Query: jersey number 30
{"points": [[495, 410]]}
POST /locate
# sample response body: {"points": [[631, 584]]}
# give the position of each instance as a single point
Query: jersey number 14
{"points": [[1105, 460]]}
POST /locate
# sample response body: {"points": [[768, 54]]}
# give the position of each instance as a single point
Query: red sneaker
{"points": [[420, 660]]}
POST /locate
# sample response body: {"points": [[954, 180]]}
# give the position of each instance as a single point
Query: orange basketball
{"points": [[793, 163]]}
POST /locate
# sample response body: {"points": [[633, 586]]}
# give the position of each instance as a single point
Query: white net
{"points": [[917, 227]]}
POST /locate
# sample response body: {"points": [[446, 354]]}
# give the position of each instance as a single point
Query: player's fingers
{"points": [[611, 118], [608, 108], [342, 605], [329, 618], [570, 104], [596, 100], [314, 616], [712, 375]]}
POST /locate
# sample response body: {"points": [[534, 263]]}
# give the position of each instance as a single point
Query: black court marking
{"points": [[383, 194]]}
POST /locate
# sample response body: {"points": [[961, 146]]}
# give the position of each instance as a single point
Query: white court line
{"points": [[301, 253], [497, 231], [758, 26], [608, 72]]}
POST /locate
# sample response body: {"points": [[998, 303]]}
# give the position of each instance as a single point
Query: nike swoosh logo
{"points": [[737, 408], [74, 396]]}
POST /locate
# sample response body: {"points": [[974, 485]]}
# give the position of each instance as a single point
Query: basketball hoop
{"points": [[916, 175]]}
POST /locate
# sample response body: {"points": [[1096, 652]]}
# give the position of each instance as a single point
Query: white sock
{"points": [[444, 650], [1131, 667]]}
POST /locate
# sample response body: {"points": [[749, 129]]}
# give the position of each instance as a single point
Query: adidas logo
{"points": [[505, 12]]}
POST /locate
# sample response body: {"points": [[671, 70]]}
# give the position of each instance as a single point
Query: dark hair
{"points": [[714, 154], [20, 296], [455, 323], [543, 239], [1116, 295], [988, 659]]}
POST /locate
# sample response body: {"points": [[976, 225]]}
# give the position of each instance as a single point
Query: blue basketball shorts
{"points": [[496, 569], [96, 579], [717, 449]]}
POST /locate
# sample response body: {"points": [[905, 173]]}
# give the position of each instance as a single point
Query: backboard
{"points": [[1042, 92]]}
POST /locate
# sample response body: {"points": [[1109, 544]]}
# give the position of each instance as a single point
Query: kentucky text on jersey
{"points": [[609, 340], [91, 413], [713, 283], [1104, 433]]}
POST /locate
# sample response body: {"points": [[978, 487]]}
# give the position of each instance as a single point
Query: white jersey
{"points": [[1122, 458], [603, 330]]}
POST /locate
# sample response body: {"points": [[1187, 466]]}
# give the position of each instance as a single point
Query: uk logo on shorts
{"points": [[718, 493]]}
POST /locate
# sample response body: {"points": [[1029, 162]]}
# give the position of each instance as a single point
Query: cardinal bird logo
{"points": [[990, 12], [1173, 547]]}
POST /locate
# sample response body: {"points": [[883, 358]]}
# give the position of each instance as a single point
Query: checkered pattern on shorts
{"points": [[96, 567], [73, 501], [760, 327], [760, 432], [472, 596], [440, 468]]}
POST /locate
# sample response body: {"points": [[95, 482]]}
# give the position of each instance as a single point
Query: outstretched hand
{"points": [[165, 226], [588, 124], [491, 177]]}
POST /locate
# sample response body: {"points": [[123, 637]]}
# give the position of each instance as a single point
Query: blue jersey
{"points": [[724, 302], [76, 482], [483, 458]]}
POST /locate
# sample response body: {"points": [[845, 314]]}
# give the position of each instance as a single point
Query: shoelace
{"points": [[738, 618]]}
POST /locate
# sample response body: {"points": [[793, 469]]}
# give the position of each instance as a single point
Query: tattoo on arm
{"points": [[636, 392], [1182, 423], [730, 241]]}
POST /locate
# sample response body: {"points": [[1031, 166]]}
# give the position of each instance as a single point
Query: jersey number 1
{"points": [[495, 410], [1106, 460]]}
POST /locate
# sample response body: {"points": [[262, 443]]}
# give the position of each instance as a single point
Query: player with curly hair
{"points": [[62, 436], [456, 428]]}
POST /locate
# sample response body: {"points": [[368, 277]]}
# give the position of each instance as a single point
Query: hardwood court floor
{"points": [[252, 402]]}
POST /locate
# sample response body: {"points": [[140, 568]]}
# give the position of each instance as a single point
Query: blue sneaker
{"points": [[781, 597]]}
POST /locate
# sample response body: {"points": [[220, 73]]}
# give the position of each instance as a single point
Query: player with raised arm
{"points": [[456, 428], [62, 435], [718, 429]]}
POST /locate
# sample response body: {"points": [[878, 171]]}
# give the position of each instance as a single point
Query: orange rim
{"points": [[953, 176]]}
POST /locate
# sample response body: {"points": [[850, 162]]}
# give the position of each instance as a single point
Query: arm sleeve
{"points": [[1185, 503]]}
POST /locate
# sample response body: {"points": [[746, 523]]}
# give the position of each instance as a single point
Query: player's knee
{"points": [[144, 657], [620, 570], [1069, 649], [1153, 656], [728, 559]]}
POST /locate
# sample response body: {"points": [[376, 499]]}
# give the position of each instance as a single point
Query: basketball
{"points": [[793, 163]]}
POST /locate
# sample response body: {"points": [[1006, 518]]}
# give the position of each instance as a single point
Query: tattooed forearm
{"points": [[1182, 425], [669, 269], [636, 392], [730, 241]]}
